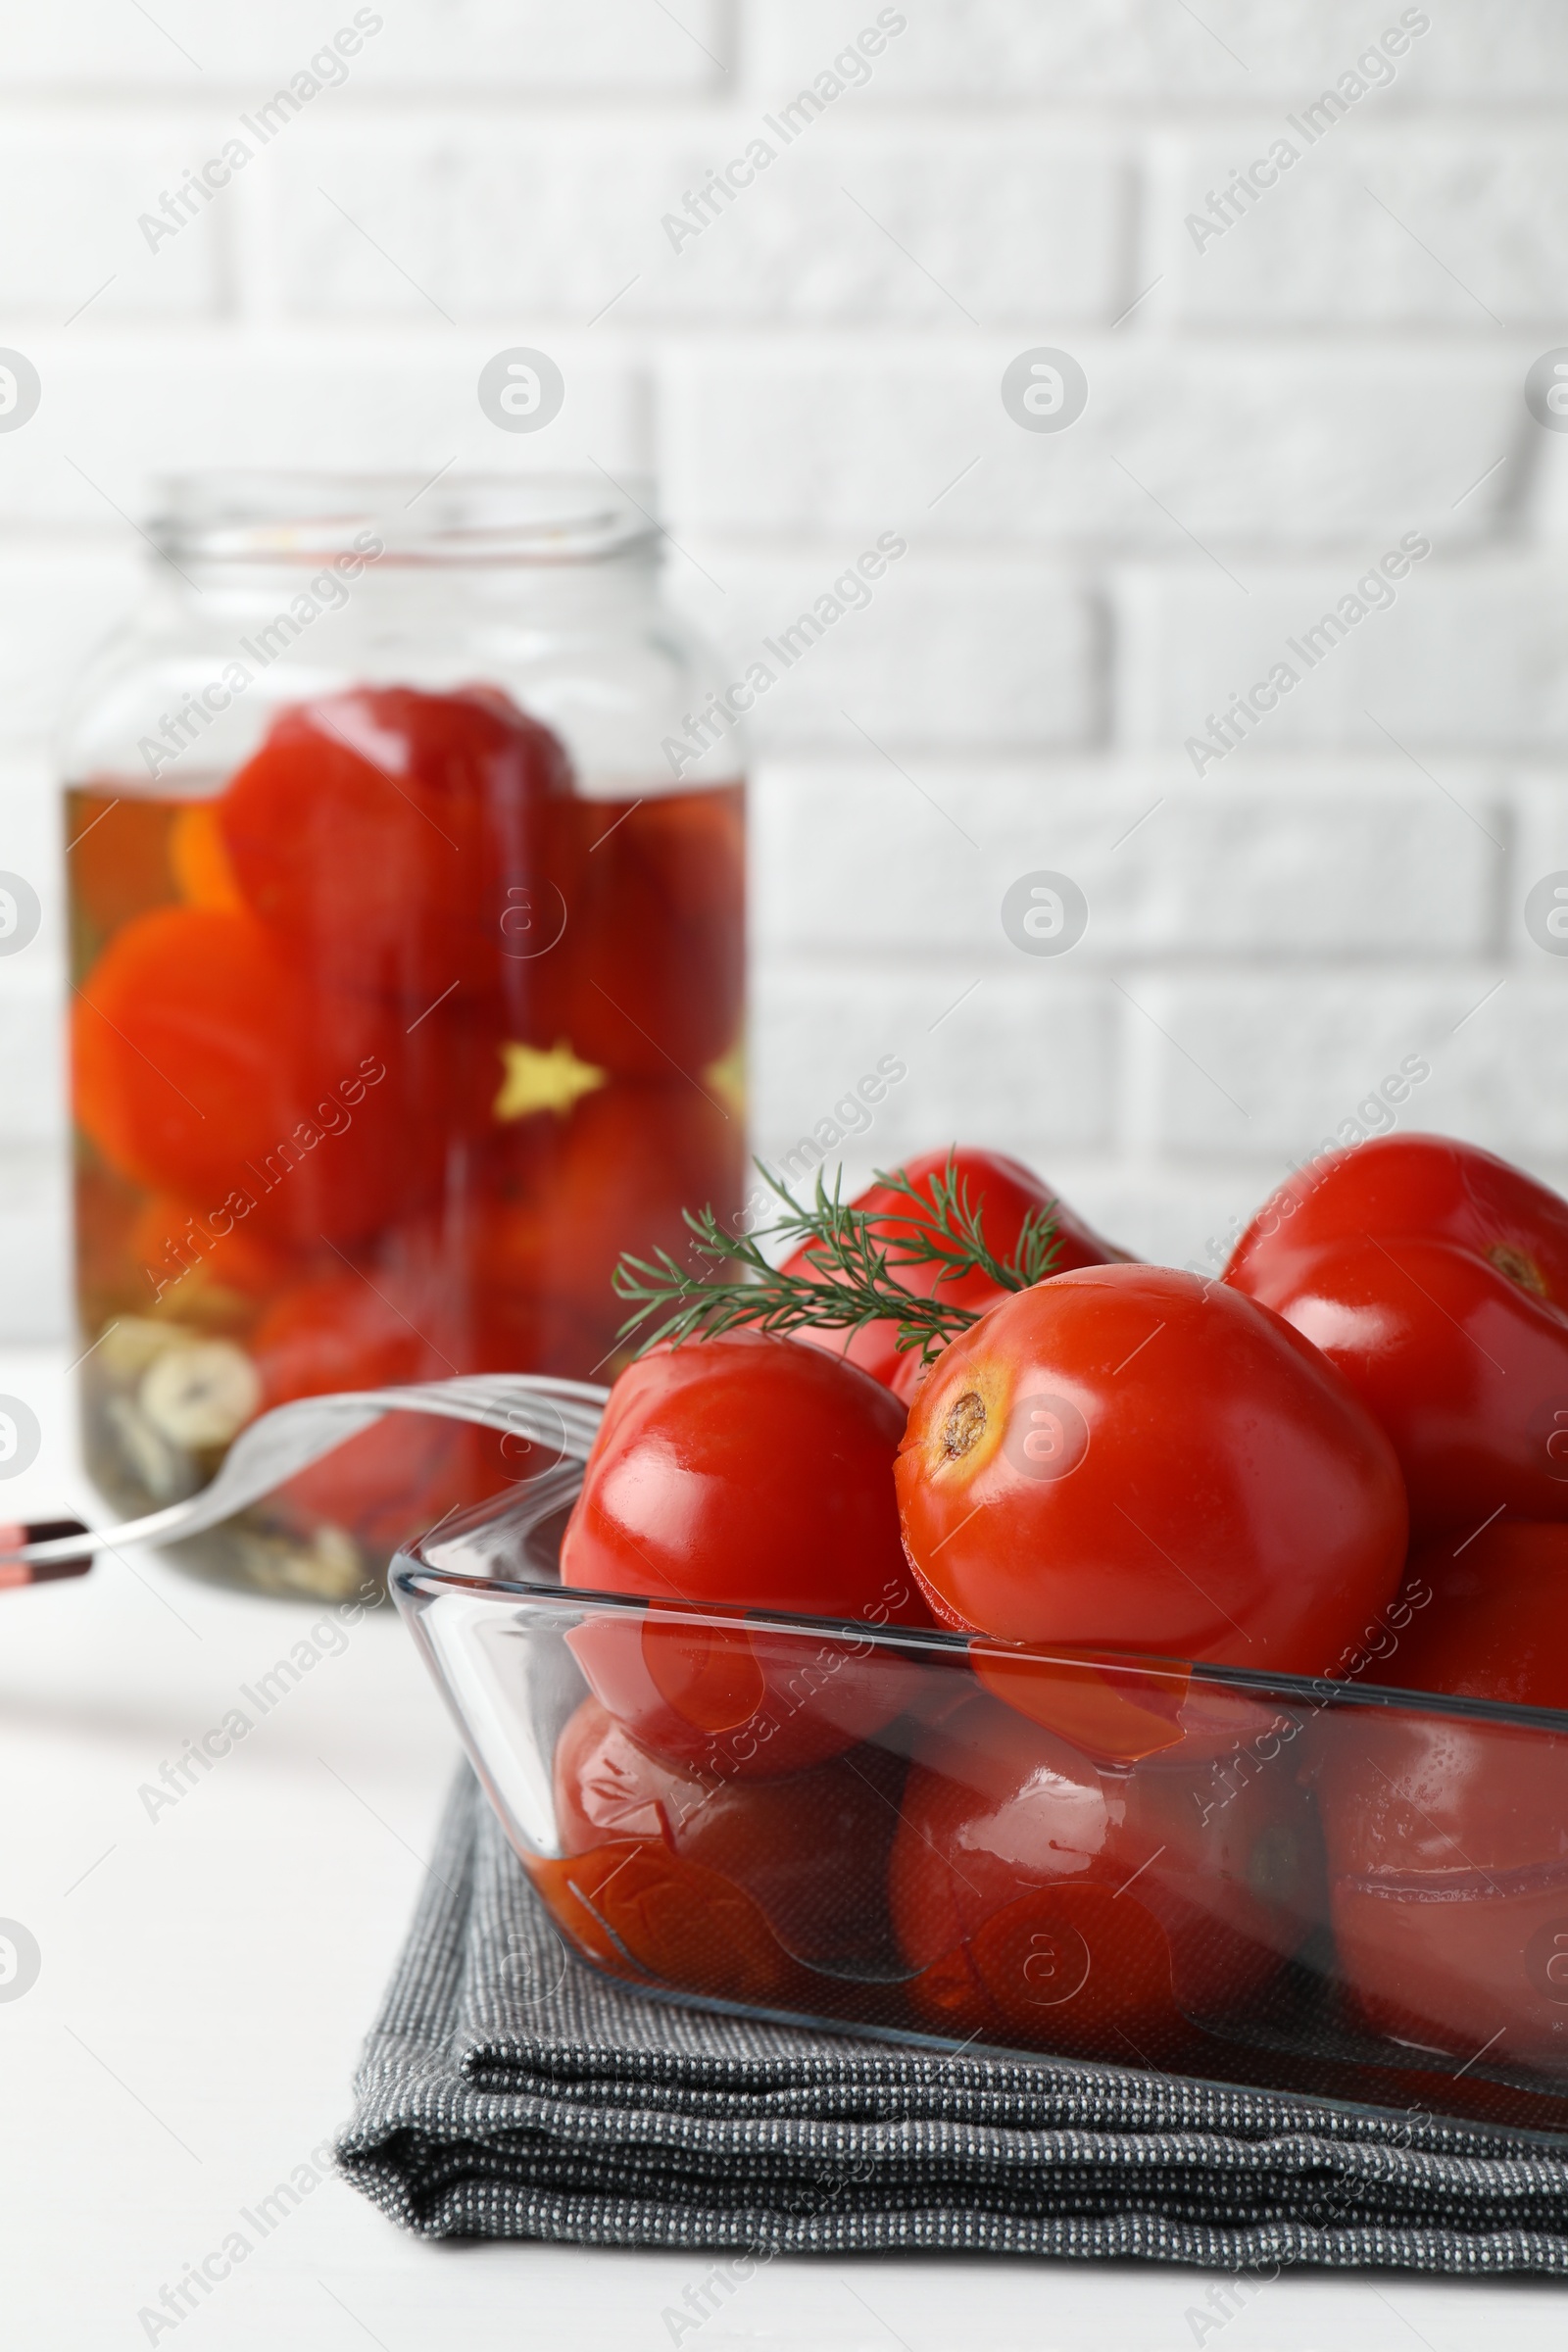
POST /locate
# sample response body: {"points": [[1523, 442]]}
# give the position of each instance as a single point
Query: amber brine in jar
{"points": [[408, 983]]}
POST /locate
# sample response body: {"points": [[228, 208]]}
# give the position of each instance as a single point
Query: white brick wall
{"points": [[1268, 414]]}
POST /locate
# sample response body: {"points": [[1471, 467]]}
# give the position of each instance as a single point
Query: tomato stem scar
{"points": [[963, 1425], [1512, 1261]]}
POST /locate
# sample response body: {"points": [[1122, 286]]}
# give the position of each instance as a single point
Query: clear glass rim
{"points": [[412, 1578], [265, 517]]}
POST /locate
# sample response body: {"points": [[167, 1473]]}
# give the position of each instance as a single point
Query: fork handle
{"points": [[34, 1551]]}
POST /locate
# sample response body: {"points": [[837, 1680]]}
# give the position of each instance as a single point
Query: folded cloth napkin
{"points": [[510, 2092]]}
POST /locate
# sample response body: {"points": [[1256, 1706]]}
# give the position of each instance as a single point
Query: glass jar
{"points": [[408, 980]]}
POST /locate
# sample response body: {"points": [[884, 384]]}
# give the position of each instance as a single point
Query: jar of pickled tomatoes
{"points": [[408, 956]]}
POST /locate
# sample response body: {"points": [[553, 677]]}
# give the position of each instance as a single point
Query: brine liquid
{"points": [[345, 1120]]}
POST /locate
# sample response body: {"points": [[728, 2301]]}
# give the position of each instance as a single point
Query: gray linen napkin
{"points": [[508, 2092]]}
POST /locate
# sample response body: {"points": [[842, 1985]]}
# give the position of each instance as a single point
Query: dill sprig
{"points": [[855, 1257]]}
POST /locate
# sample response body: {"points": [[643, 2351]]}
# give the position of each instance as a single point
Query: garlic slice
{"points": [[200, 1395]]}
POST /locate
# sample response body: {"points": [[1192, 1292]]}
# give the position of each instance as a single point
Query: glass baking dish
{"points": [[1355, 1893]]}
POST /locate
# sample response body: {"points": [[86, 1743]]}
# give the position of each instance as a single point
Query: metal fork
{"points": [[560, 1415]]}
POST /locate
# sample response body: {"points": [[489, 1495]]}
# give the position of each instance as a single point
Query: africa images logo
{"points": [[1046, 1437]]}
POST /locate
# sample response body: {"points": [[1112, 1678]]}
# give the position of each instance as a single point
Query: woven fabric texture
{"points": [[508, 2092]]}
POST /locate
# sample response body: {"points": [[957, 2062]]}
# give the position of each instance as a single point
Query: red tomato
{"points": [[809, 1850], [1006, 1193], [205, 1067], [208, 1065], [381, 1329], [570, 1193], [658, 933], [1120, 1705], [1491, 1619], [1436, 1277], [1416, 1184], [1128, 1456], [1098, 1912], [1448, 1880], [381, 831], [1445, 1838], [750, 1473]]}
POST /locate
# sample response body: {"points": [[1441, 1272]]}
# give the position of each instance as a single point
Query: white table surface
{"points": [[206, 1977]]}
